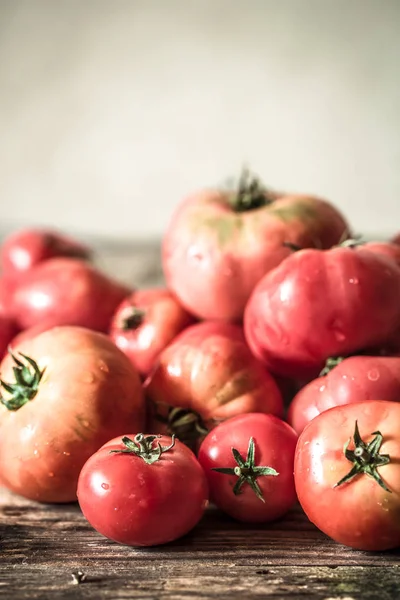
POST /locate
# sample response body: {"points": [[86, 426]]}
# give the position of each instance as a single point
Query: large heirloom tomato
{"points": [[64, 394], [347, 474], [25, 248], [143, 490], [219, 244], [248, 462], [386, 248], [319, 304], [354, 379], [145, 323], [65, 291], [205, 376]]}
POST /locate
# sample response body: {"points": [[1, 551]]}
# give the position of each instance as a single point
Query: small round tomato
{"points": [[220, 243], [65, 291], [347, 474], [248, 462], [344, 381], [64, 393], [145, 323], [205, 376], [318, 304], [143, 490], [25, 248]]}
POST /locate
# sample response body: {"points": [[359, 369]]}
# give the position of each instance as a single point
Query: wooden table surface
{"points": [[43, 548]]}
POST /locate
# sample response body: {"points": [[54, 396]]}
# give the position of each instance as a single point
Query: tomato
{"points": [[219, 244], [64, 394], [25, 248], [347, 474], [319, 304], [386, 248], [143, 490], [31, 332], [248, 461], [205, 376], [396, 239], [65, 291], [354, 379], [145, 323], [8, 327]]}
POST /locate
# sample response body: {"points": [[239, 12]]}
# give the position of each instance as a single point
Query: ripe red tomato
{"points": [[220, 243], [319, 304], [248, 462], [354, 379], [347, 474], [25, 248], [8, 327], [65, 291], [31, 332], [145, 323], [205, 376], [66, 392], [143, 490]]}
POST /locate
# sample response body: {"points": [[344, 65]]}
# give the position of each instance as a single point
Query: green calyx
{"points": [[144, 447], [330, 364], [247, 472], [131, 318], [365, 458], [27, 379], [250, 193], [187, 425]]}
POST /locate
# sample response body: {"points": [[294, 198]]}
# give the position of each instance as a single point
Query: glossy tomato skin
{"points": [[25, 248], [355, 379], [8, 327], [89, 392], [208, 369], [65, 291], [319, 304], [275, 443], [162, 319], [358, 513], [138, 504], [213, 256]]}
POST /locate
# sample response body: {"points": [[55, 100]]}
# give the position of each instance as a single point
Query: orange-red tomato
{"points": [[83, 392], [145, 323], [205, 376], [348, 479]]}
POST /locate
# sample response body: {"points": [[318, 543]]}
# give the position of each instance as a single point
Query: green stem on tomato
{"points": [[26, 385]]}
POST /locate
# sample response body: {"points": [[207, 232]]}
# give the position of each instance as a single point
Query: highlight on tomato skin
{"points": [[143, 490], [248, 461], [347, 474]]}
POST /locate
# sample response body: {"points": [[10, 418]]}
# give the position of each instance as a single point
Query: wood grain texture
{"points": [[42, 546]]}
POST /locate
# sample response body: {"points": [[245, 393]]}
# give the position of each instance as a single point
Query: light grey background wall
{"points": [[112, 110]]}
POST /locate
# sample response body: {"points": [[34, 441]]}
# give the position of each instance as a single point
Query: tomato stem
{"points": [[187, 425], [365, 458], [131, 318], [143, 446], [27, 379], [250, 194], [330, 364], [247, 471]]}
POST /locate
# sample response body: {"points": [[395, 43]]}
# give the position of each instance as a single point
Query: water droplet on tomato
{"points": [[321, 389], [106, 486], [354, 281], [36, 453], [51, 474], [103, 366], [67, 453], [373, 375]]}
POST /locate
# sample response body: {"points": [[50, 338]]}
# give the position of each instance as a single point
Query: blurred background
{"points": [[111, 111]]}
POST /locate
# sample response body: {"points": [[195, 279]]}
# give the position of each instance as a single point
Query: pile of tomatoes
{"points": [[266, 372]]}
